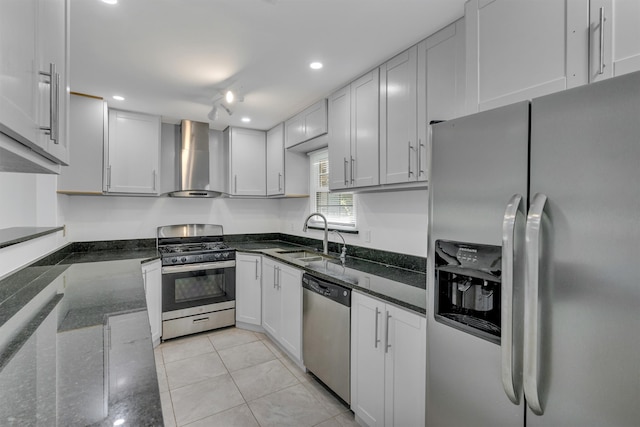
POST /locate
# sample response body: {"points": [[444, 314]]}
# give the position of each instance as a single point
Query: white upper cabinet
{"points": [[441, 83], [614, 31], [306, 125], [87, 119], [132, 152], [247, 161], [354, 134], [518, 50], [399, 146], [275, 161], [34, 40]]}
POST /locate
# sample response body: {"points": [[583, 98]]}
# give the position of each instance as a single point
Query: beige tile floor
{"points": [[237, 378]]}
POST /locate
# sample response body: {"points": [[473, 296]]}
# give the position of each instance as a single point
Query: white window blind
{"points": [[339, 208]]}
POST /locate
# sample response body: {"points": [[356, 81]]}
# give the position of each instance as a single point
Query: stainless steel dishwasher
{"points": [[326, 333]]}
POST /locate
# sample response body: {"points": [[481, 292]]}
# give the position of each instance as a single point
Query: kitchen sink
{"points": [[302, 256]]}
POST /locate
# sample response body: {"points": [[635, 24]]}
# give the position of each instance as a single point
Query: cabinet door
{"points": [[152, 275], [86, 135], [340, 139], [271, 304], [441, 82], [248, 162], [290, 285], [248, 289], [133, 153], [517, 50], [294, 130], [315, 120], [19, 77], [405, 368], [53, 17], [398, 118], [367, 360], [614, 38], [275, 161], [365, 134]]}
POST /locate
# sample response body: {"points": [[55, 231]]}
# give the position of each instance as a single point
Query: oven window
{"points": [[200, 287]]}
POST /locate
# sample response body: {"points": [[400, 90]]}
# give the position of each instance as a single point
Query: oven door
{"points": [[195, 285]]}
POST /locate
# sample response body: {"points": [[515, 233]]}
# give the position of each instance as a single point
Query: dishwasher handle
{"points": [[333, 291]]}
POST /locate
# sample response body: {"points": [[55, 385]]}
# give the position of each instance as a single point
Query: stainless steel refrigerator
{"points": [[534, 262]]}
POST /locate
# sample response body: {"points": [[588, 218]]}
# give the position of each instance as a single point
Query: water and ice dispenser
{"points": [[468, 282]]}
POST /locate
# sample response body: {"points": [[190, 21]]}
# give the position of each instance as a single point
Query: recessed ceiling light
{"points": [[315, 65], [110, 1], [229, 96], [246, 119], [118, 97]]}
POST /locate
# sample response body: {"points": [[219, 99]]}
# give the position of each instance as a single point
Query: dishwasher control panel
{"points": [[332, 291]]}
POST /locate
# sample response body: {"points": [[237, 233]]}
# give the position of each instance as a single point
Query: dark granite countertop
{"points": [[15, 235], [400, 286], [75, 343]]}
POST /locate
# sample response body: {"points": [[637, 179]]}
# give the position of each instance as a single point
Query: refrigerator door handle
{"points": [[511, 337], [531, 308]]}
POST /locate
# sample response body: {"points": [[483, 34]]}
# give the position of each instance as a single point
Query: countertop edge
{"points": [[24, 234]]}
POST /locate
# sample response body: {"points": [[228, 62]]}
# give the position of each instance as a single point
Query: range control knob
{"points": [[174, 260], [183, 259]]}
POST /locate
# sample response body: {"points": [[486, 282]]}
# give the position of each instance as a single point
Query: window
{"points": [[339, 208]]}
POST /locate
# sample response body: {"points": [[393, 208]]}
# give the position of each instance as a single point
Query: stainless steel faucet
{"points": [[343, 253], [325, 242]]}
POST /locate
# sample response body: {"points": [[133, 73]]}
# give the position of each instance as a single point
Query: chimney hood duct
{"points": [[193, 169]]}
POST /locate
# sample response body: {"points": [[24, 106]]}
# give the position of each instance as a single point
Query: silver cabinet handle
{"points": [[531, 325], [510, 337], [202, 319], [279, 278], [420, 146], [256, 269], [346, 181], [376, 340], [279, 181], [274, 277], [409, 159], [387, 346], [155, 178], [235, 184], [54, 102], [602, 19], [108, 177], [351, 171]]}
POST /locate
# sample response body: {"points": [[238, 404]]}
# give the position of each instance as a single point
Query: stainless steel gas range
{"points": [[198, 279]]}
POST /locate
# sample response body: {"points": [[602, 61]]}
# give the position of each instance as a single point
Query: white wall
{"points": [[112, 218], [392, 221]]}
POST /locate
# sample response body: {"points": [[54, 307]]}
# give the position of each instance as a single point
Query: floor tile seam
{"points": [[191, 357], [273, 391], [175, 422], [198, 382], [322, 401], [215, 413], [235, 345]]}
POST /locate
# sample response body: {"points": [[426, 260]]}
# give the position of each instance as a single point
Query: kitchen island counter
{"points": [[75, 343]]}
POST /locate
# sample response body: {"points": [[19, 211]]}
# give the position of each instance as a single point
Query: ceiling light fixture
{"points": [[246, 119], [110, 1], [118, 97], [213, 114], [229, 97], [227, 109], [315, 65]]}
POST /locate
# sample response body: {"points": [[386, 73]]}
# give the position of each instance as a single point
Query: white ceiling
{"points": [[172, 57]]}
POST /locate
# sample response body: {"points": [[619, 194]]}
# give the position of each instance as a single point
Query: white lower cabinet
{"points": [[248, 289], [388, 363], [282, 305], [152, 274]]}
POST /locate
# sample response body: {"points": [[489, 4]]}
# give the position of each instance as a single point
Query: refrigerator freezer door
{"points": [[478, 163], [585, 151]]}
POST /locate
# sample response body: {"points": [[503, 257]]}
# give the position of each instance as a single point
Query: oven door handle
{"points": [[198, 267]]}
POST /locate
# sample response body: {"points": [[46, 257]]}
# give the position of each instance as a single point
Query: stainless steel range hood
{"points": [[194, 162]]}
